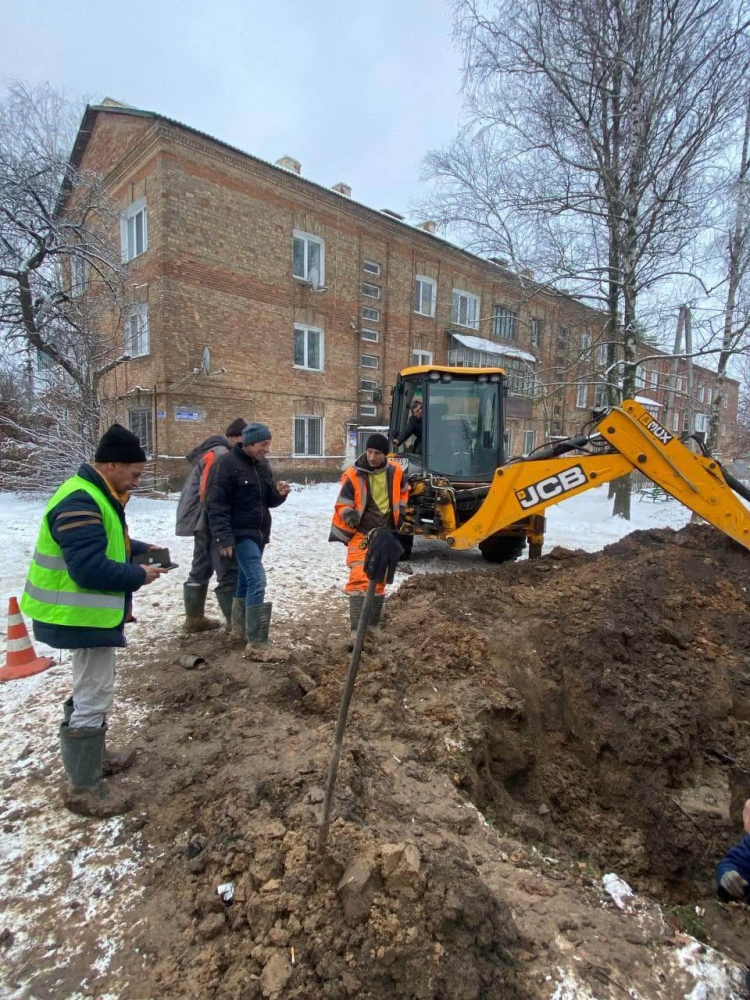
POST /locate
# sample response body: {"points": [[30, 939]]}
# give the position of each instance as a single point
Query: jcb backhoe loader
{"points": [[465, 490]]}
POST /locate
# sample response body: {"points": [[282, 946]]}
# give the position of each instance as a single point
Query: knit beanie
{"points": [[379, 442], [236, 428], [119, 445], [254, 433]]}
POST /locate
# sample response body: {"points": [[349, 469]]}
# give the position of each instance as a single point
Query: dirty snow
{"points": [[45, 851]]}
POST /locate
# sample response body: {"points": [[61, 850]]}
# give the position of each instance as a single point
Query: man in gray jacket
{"points": [[192, 520]]}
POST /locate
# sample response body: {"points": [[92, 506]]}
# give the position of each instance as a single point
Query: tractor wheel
{"points": [[502, 548]]}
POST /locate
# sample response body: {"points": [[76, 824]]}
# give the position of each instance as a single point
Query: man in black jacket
{"points": [[240, 495], [413, 428], [79, 594]]}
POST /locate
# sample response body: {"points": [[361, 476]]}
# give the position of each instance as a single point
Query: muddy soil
{"points": [[512, 737]]}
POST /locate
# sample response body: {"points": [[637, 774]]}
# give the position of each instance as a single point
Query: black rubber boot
{"points": [[195, 609], [83, 755], [377, 610], [226, 600], [238, 619], [259, 646]]}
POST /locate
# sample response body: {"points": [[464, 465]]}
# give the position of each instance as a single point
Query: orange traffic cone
{"points": [[21, 660]]}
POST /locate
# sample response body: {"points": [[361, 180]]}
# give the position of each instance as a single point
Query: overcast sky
{"points": [[357, 92]]}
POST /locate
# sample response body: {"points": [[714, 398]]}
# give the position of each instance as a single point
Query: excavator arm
{"points": [[529, 487]]}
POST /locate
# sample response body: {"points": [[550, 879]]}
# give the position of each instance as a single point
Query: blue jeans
{"points": [[251, 581]]}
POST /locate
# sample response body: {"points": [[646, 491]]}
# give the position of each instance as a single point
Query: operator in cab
{"points": [[413, 428]]}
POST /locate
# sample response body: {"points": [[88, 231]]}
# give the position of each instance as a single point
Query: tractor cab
{"points": [[461, 422]]}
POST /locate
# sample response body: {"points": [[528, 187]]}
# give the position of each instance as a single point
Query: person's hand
{"points": [[283, 488], [150, 547], [153, 572], [383, 553], [733, 884], [227, 551]]}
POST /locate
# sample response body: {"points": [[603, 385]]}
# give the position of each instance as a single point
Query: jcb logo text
{"points": [[553, 486], [659, 432]]}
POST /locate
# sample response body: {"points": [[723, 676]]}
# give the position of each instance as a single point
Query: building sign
{"points": [[161, 414], [187, 413]]}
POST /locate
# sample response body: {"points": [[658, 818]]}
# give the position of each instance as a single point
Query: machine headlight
{"points": [[495, 378], [445, 377]]}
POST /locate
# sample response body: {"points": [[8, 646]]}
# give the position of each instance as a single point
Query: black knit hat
{"points": [[236, 428], [379, 442], [119, 445]]}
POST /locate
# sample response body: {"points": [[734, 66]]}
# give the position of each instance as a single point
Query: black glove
{"points": [[383, 552]]}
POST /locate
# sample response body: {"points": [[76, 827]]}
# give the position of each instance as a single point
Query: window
{"points": [[582, 397], [140, 422], [529, 438], [653, 379], [701, 423], [308, 436], [134, 230], [372, 335], [465, 309], [368, 384], [425, 295], [709, 395], [370, 361], [371, 267], [368, 410], [563, 338], [308, 257], [640, 378], [78, 275], [421, 357], [600, 396], [308, 348], [137, 336], [372, 290], [701, 393], [585, 344], [536, 332], [505, 323], [601, 354], [676, 422], [372, 314]]}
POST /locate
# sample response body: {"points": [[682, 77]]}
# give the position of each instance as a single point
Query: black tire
{"points": [[407, 542], [502, 548]]}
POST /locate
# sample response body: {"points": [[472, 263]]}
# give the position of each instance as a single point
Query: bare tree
{"points": [[595, 127], [61, 273]]}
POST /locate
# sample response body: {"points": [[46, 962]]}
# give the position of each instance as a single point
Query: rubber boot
{"points": [[82, 754], [356, 603], [238, 619], [114, 762], [259, 646], [195, 608], [377, 610], [226, 600]]}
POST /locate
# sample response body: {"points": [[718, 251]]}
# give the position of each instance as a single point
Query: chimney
{"points": [[343, 189], [527, 273], [290, 164], [429, 226], [499, 261], [393, 215]]}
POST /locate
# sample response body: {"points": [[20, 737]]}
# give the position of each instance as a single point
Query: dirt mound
{"points": [[512, 737]]}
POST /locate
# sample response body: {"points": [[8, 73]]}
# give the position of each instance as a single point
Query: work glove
{"points": [[734, 884], [383, 552]]}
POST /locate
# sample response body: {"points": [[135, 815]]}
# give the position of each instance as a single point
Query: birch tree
{"points": [[594, 130]]}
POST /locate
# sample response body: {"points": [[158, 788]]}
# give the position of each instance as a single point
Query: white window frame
{"points": [[640, 377], [582, 397], [536, 331], [306, 453], [129, 230], [371, 357], [585, 344], [601, 354], [529, 441], [307, 239], [372, 387], [368, 410], [503, 318], [652, 376], [419, 281], [701, 422], [147, 413], [370, 267], [701, 393], [373, 336], [79, 275], [676, 421], [137, 343], [420, 358], [472, 323], [306, 330], [371, 291], [373, 315]]}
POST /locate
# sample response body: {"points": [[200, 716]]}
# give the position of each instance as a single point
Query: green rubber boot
{"points": [[238, 619], [356, 603], [259, 646], [83, 756], [226, 602], [195, 609]]}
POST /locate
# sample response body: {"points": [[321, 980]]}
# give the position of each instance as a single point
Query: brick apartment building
{"points": [[259, 293]]}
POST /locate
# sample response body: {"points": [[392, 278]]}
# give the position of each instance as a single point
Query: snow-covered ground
{"points": [[45, 851]]}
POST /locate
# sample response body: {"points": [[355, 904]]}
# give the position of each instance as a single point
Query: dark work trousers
{"points": [[207, 560]]}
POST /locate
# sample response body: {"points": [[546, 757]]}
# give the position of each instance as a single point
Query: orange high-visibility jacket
{"points": [[352, 500]]}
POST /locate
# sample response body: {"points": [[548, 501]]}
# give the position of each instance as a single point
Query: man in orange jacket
{"points": [[373, 495]]}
